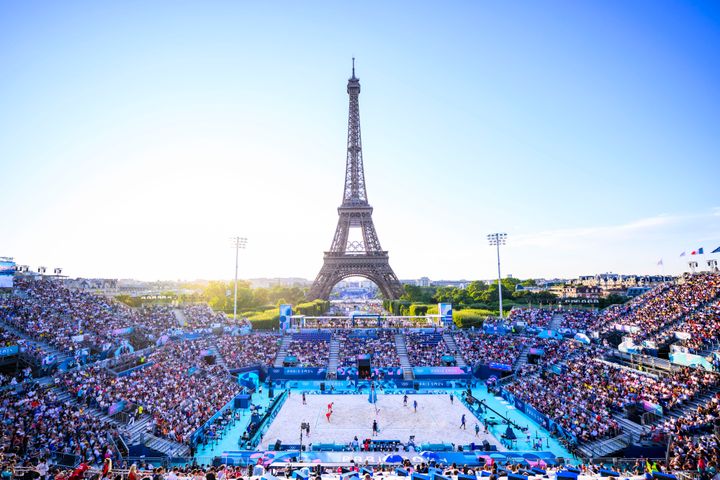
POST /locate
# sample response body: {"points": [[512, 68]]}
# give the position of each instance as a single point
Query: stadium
{"points": [[630, 390], [140, 141]]}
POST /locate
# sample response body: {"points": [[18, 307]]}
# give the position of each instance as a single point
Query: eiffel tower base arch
{"points": [[375, 268]]}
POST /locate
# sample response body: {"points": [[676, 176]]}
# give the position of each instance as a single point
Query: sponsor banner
{"points": [[535, 415], [627, 328], [500, 366], [441, 372], [431, 383], [127, 372], [116, 407], [298, 373], [122, 331], [9, 351], [404, 383], [652, 407], [7, 272], [690, 360], [378, 372], [445, 312], [281, 458]]}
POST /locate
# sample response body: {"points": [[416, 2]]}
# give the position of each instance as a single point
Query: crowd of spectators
{"points": [[699, 454], [583, 397], [572, 318], [381, 346], [485, 348], [702, 326], [73, 320], [49, 312], [310, 350], [36, 424], [579, 320], [426, 349], [663, 306], [532, 317], [7, 338], [248, 350], [156, 319], [639, 469], [198, 317], [177, 388], [693, 442]]}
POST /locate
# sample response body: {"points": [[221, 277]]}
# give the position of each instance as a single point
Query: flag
{"points": [[682, 254], [699, 251], [660, 263], [717, 250]]}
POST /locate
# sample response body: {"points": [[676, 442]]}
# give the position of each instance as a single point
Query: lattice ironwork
{"points": [[353, 258]]}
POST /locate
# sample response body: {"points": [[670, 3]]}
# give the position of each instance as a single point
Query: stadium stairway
{"points": [[133, 433], [450, 342], [66, 397], [333, 359], [604, 448], [628, 426], [180, 316], [168, 447], [282, 351], [401, 349], [137, 431], [556, 321], [219, 358], [60, 356], [693, 404], [522, 359]]}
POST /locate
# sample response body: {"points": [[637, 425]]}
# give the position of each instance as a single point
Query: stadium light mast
{"points": [[497, 239], [238, 242]]}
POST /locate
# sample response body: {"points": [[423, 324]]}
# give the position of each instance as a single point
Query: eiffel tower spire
{"points": [[355, 193], [364, 258]]}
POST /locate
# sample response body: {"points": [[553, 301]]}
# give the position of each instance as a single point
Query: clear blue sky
{"points": [[136, 137]]}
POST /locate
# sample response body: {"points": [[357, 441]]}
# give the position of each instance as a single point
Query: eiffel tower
{"points": [[348, 257]]}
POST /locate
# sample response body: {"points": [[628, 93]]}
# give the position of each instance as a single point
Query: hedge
{"points": [[470, 317], [267, 320], [314, 308]]}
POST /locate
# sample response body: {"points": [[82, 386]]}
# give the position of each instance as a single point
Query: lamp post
{"points": [[238, 242], [497, 239]]}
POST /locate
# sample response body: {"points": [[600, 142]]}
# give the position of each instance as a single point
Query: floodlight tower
{"points": [[238, 243], [497, 239]]}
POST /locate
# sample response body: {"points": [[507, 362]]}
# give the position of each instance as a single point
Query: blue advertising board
{"points": [[376, 372], [441, 372], [536, 416], [285, 314], [8, 351], [500, 366], [298, 373], [7, 272], [445, 312]]}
